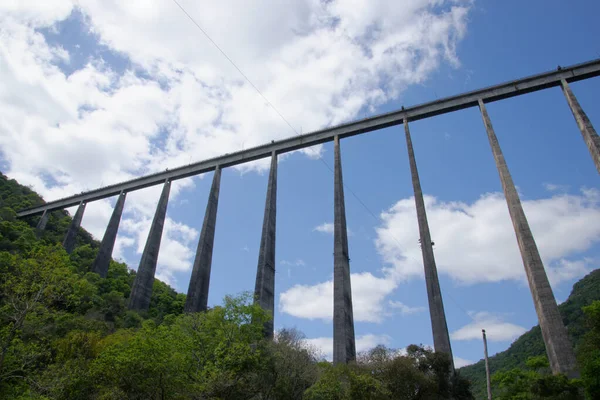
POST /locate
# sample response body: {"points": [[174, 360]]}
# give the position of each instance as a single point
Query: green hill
{"points": [[531, 344], [67, 334]]}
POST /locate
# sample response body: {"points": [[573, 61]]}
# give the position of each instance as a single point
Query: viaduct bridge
{"points": [[559, 349]]}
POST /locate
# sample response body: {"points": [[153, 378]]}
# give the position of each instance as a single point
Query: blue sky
{"points": [[100, 92]]}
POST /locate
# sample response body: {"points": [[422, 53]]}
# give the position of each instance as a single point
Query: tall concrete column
{"points": [[71, 235], [344, 348], [102, 260], [591, 138], [264, 290], [41, 225], [558, 347], [197, 296], [441, 339], [141, 291]]}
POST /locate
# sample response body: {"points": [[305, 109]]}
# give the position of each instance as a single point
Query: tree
{"points": [[32, 290], [226, 348], [65, 333], [589, 352], [143, 364], [291, 366], [383, 373], [215, 354], [536, 382], [346, 382]]}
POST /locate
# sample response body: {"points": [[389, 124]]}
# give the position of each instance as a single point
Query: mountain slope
{"points": [[531, 344]]}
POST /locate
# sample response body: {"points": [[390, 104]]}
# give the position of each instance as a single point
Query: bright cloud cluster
{"points": [[325, 227], [174, 99], [405, 309], [474, 243], [316, 302], [496, 329]]}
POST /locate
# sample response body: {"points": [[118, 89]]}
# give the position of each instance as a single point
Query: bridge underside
{"points": [[442, 106]]}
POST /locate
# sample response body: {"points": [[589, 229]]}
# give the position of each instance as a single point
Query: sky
{"points": [[97, 92]]}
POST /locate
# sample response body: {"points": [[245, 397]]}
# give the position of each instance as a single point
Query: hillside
{"points": [[530, 344], [18, 237], [60, 347], [66, 333]]}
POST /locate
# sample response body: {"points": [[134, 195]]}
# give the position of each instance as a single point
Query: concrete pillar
{"points": [[344, 349], [441, 339], [197, 296], [591, 138], [102, 260], [487, 366], [71, 235], [141, 291], [558, 347], [41, 225], [264, 290]]}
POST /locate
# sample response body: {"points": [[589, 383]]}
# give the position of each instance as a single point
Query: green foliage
{"points": [[292, 365], [346, 382], [66, 333], [383, 373], [535, 383], [588, 353], [530, 344]]}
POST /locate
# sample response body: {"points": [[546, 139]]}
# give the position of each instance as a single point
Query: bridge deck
{"points": [[426, 110]]}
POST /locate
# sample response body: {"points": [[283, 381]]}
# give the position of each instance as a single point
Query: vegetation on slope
{"points": [[530, 344], [65, 333]]}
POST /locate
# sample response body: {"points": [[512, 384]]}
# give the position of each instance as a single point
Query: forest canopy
{"points": [[66, 333]]}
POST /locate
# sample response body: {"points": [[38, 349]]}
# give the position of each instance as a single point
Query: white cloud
{"points": [[325, 227], [476, 242], [121, 243], [316, 302], [98, 125], [328, 227], [363, 343], [552, 187], [297, 263], [496, 329], [461, 362], [404, 309]]}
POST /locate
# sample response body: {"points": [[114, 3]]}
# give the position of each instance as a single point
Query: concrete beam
{"points": [[441, 338], [102, 260], [41, 225], [344, 348], [558, 346], [442, 106], [590, 137], [197, 296], [264, 289], [71, 235], [141, 291]]}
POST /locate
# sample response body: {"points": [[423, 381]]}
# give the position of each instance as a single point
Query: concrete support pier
{"points": [[41, 225], [591, 138], [264, 290], [197, 296], [71, 235], [441, 338], [344, 348], [102, 260], [141, 290], [558, 347]]}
